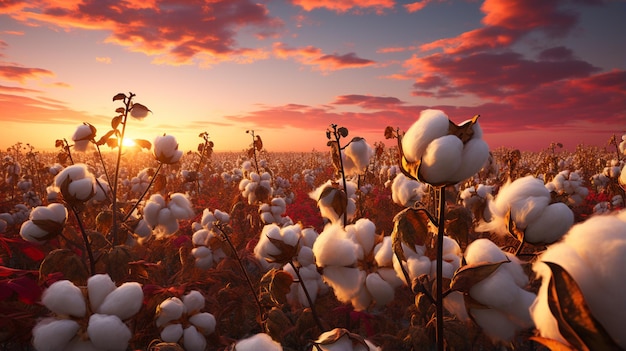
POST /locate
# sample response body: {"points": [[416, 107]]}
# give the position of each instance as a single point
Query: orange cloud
{"points": [[416, 6], [20, 74], [345, 5], [183, 33]]}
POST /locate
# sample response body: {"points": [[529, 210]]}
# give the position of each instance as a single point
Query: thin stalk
{"points": [[308, 297], [92, 262], [440, 233], [127, 103], [343, 177], [243, 269], [130, 212]]}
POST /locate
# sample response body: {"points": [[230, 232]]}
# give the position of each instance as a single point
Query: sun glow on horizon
{"points": [[128, 142]]}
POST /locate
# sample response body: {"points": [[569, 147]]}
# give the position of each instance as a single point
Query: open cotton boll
{"points": [[166, 149], [169, 310], [204, 322], [405, 191], [193, 340], [55, 212], [29, 231], [65, 298], [172, 333], [432, 124], [474, 156], [334, 248], [554, 221], [53, 334], [441, 159], [260, 341], [594, 254], [382, 292], [345, 281], [363, 231], [123, 302], [357, 155], [98, 287], [193, 301], [108, 332]]}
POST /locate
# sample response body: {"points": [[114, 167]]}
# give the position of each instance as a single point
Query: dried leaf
{"points": [[410, 226], [104, 221], [338, 333], [287, 252], [389, 132], [343, 131], [277, 324], [66, 262], [278, 284], [464, 131], [468, 276], [103, 140], [511, 226], [575, 320], [117, 262], [119, 96], [258, 143], [144, 144]]}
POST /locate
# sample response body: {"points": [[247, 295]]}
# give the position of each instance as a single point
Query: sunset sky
{"points": [[537, 71]]}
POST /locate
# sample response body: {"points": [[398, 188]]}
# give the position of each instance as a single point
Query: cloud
{"points": [[175, 33], [21, 74], [416, 6], [368, 101], [313, 56], [105, 60], [345, 5]]}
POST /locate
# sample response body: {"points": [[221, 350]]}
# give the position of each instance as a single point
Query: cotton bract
{"points": [[445, 159], [594, 254]]}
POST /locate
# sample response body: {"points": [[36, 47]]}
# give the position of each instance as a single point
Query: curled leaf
{"points": [[410, 227], [468, 276], [389, 132], [119, 96]]}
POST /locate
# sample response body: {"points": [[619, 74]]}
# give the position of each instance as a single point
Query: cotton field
{"points": [[437, 242]]}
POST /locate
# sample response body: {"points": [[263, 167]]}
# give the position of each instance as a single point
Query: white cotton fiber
{"points": [[204, 322], [172, 333], [108, 332], [98, 287], [193, 340], [345, 281], [334, 248], [555, 220], [170, 309], [258, 342], [123, 302], [65, 298], [53, 334], [475, 154], [193, 301], [432, 124], [441, 160], [381, 291]]}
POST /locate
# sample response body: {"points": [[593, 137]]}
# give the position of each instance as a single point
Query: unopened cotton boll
{"points": [[108, 332], [53, 334], [65, 298], [258, 342], [123, 302]]}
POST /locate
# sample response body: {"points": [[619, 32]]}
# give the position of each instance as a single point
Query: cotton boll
{"points": [[334, 248], [193, 301], [172, 333], [29, 231], [405, 191], [345, 281], [441, 160], [475, 154], [205, 322], [65, 298], [169, 310], [555, 220], [258, 342], [193, 340], [432, 124], [494, 323], [363, 232], [98, 287], [342, 344], [200, 237], [55, 212], [123, 302], [103, 327], [52, 334], [82, 189], [381, 291]]}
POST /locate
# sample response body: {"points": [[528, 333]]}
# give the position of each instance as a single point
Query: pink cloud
{"points": [[21, 74], [416, 6], [174, 32], [345, 5], [368, 101], [312, 56]]}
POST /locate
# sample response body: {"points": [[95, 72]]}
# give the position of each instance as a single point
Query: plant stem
{"points": [[440, 233], [130, 212], [127, 105], [308, 297], [343, 175], [243, 269], [92, 262]]}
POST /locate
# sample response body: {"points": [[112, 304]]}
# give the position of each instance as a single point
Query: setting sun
{"points": [[129, 142]]}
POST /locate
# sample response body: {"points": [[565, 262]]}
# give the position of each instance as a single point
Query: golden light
{"points": [[128, 142]]}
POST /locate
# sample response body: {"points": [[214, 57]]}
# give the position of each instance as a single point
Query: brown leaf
{"points": [[469, 275], [117, 261], [119, 96], [277, 283], [103, 140], [104, 221], [277, 324], [258, 143], [66, 262], [389, 132], [410, 227], [511, 226], [144, 144], [576, 322], [464, 131], [115, 122], [112, 142], [338, 333], [287, 252], [335, 155]]}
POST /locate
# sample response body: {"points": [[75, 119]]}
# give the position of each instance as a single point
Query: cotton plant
{"points": [[44, 223], [523, 208], [85, 319], [407, 192], [274, 212], [357, 264], [207, 242], [332, 202], [256, 187], [593, 253], [340, 339], [181, 321], [499, 302], [570, 184], [439, 152], [163, 213], [141, 182], [282, 188]]}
